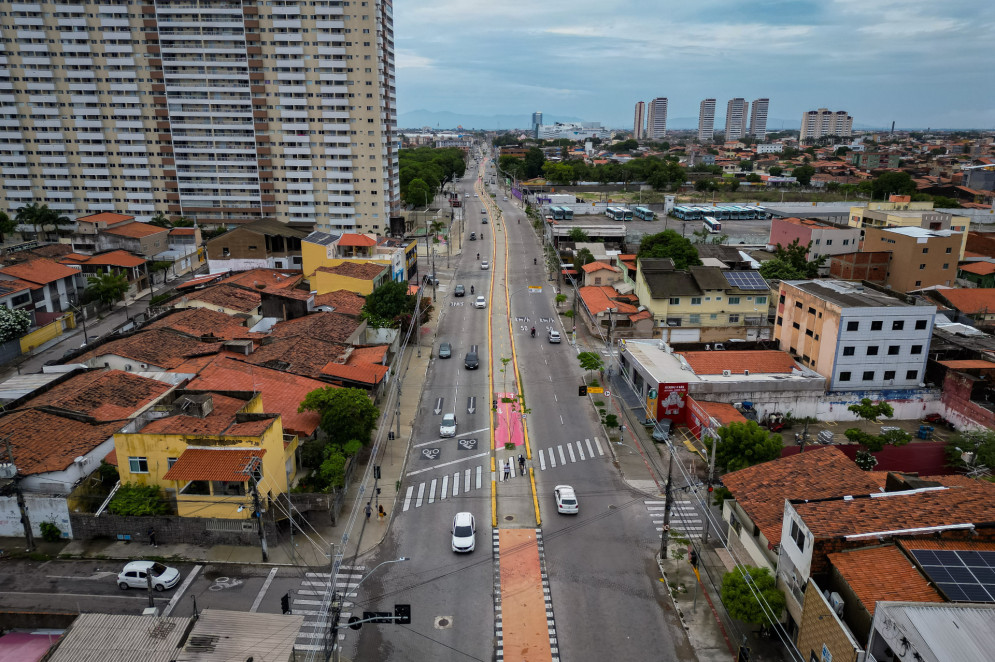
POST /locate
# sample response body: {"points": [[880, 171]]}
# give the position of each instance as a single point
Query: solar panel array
{"points": [[746, 280], [962, 575]]}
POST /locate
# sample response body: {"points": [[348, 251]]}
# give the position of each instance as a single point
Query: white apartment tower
{"points": [[639, 121], [736, 111], [706, 120], [656, 124], [758, 118], [219, 110], [825, 122]]}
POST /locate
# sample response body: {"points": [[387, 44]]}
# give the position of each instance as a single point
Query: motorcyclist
{"points": [[478, 256], [533, 332], [471, 289], [534, 261]]}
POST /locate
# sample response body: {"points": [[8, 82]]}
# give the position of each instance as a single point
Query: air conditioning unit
{"points": [[746, 372], [727, 373], [836, 602]]}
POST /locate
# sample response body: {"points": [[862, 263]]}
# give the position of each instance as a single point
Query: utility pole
{"points": [[29, 537], [251, 469], [668, 502], [708, 491]]}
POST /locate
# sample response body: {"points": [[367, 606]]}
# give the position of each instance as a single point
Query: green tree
{"points": [[669, 244], [590, 361], [7, 225], [346, 414], [742, 445], [534, 160], [160, 265], [754, 178], [744, 588], [790, 263], [582, 257], [13, 323], [39, 216], [892, 183], [134, 500], [387, 304], [972, 449], [869, 411], [418, 193], [558, 173], [624, 146], [746, 165], [578, 234], [775, 171], [803, 174], [107, 288], [160, 220]]}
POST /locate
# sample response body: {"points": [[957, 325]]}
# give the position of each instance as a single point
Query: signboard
{"points": [[671, 402], [595, 389], [535, 289]]}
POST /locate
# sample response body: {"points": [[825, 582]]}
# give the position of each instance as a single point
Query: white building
{"points": [[758, 118], [825, 122], [573, 131], [736, 111], [770, 148], [656, 125], [706, 120]]}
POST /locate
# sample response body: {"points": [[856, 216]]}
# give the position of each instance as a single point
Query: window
{"points": [[868, 376], [225, 252], [912, 374], [918, 283], [675, 301], [893, 350], [948, 250], [734, 318], [844, 376], [829, 242], [733, 301], [916, 349], [921, 324], [848, 351], [872, 350], [876, 325], [797, 535], [761, 301], [946, 265], [811, 311], [781, 298], [780, 321], [798, 305], [170, 461], [694, 318], [889, 374], [138, 465], [695, 301], [898, 325], [808, 332], [925, 250], [922, 267], [795, 325], [853, 326]]}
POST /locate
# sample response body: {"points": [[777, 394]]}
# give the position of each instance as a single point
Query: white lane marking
{"points": [[439, 441], [570, 449], [590, 448], [555, 399], [479, 472], [552, 459], [179, 592], [446, 464], [455, 483], [563, 457], [580, 451], [407, 498], [262, 591], [597, 442], [542, 460], [445, 488], [466, 483], [431, 492], [421, 493], [561, 419]]}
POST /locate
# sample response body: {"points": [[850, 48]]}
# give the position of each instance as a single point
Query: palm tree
{"points": [[7, 225], [108, 288], [160, 220]]}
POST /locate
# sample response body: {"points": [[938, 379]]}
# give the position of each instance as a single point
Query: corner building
{"points": [[219, 110]]}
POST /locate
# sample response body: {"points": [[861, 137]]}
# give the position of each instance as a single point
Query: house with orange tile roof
{"points": [[143, 239], [341, 301], [56, 283], [84, 238], [207, 449], [362, 367], [974, 302], [16, 294], [359, 277], [117, 261], [225, 298], [153, 350], [607, 311], [322, 249], [202, 323], [265, 243]]}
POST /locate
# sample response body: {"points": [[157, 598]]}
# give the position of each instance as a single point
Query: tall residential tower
{"points": [[825, 122], [656, 125], [758, 118], [536, 123], [706, 120], [639, 121], [214, 109], [736, 111]]}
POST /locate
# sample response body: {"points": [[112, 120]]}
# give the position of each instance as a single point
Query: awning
{"points": [[220, 464]]}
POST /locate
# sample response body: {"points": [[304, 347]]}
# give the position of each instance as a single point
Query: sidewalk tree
{"points": [[107, 288], [387, 303], [669, 244], [590, 361], [584, 256], [13, 324], [790, 263], [160, 265], [742, 445], [346, 413], [742, 592]]}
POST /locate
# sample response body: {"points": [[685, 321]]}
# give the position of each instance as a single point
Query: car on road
{"points": [[431, 279], [505, 197], [566, 500], [485, 265], [553, 336], [484, 222], [459, 291], [135, 575], [445, 350], [464, 532], [448, 426], [483, 211], [661, 431], [481, 302], [471, 361], [473, 236]]}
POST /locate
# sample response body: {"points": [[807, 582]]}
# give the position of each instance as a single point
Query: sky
{"points": [[918, 63]]}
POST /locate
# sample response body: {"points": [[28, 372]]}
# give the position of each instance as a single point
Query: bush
{"points": [[133, 500], [50, 532]]}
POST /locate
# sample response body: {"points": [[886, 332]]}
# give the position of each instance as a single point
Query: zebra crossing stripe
{"points": [[466, 481], [580, 451], [431, 492], [407, 497], [445, 487], [479, 472], [570, 449], [597, 442], [542, 460], [563, 458], [552, 459], [455, 483], [421, 493], [590, 448]]}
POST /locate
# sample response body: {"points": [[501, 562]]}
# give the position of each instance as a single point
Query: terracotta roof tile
{"points": [[723, 412], [301, 355], [600, 298], [182, 231], [761, 361], [221, 421], [41, 271], [105, 395], [375, 354], [135, 230], [269, 279], [200, 322], [350, 239], [105, 217], [883, 573], [156, 347], [363, 374], [966, 364], [333, 327], [591, 267], [815, 474], [980, 268], [227, 296], [965, 299], [344, 302], [220, 464], [115, 259], [359, 270], [16, 285], [44, 442]]}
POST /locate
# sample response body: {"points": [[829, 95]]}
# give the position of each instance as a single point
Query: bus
{"points": [[713, 226], [626, 214], [568, 213], [557, 213], [644, 214], [615, 213]]}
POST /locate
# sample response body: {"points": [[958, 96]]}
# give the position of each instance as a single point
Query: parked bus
{"points": [[644, 214], [713, 226], [615, 213], [626, 214], [557, 213], [568, 213]]}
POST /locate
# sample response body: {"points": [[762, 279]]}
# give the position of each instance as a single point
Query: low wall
{"points": [[43, 334], [194, 530], [35, 620]]}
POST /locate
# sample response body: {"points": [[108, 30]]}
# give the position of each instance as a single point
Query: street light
{"points": [[355, 589]]}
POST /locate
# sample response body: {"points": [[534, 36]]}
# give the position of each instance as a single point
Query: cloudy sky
{"points": [[921, 63]]}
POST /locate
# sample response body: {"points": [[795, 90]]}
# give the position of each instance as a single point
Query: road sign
{"points": [[402, 614], [595, 389], [378, 616], [535, 289]]}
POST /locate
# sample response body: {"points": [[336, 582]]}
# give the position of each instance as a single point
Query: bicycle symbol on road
{"points": [[430, 454], [221, 583], [467, 444]]}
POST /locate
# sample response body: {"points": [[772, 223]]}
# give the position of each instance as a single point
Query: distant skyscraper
{"points": [[736, 111], [536, 123], [656, 124], [706, 120], [758, 119], [825, 122], [639, 121]]}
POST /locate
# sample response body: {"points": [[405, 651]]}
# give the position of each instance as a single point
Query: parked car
{"points": [[445, 350], [135, 575], [471, 361], [464, 532], [459, 291], [566, 500], [448, 426], [431, 279], [481, 302], [485, 265], [553, 336], [661, 431]]}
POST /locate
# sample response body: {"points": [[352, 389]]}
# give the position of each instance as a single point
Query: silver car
{"points": [[448, 426], [136, 573]]}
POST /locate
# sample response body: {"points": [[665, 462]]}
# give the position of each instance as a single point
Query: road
{"points": [[604, 599]]}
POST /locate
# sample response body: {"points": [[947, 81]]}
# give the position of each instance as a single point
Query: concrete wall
{"points": [[820, 629], [195, 530], [41, 508]]}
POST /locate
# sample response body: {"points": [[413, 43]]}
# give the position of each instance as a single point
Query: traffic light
{"points": [[582, 390], [402, 614], [285, 603]]}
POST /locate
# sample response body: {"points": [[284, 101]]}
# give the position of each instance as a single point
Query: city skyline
{"points": [[914, 63]]}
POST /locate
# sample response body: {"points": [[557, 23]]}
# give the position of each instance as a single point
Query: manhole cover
{"points": [[443, 622], [509, 518]]}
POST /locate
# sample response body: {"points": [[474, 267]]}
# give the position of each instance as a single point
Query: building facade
{"points": [[222, 112], [900, 211], [656, 125], [920, 257], [825, 239], [758, 118], [639, 121], [573, 131], [706, 120], [825, 122], [536, 123], [736, 112]]}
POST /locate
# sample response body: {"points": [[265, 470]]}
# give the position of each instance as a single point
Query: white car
{"points": [[553, 336], [448, 426], [480, 302], [135, 575], [566, 500], [464, 532], [485, 265]]}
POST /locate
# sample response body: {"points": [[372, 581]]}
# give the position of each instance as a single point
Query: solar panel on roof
{"points": [[746, 280], [962, 575]]}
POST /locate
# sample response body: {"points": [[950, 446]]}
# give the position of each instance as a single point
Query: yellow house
{"points": [[901, 212], [359, 277], [321, 249], [206, 449], [703, 303]]}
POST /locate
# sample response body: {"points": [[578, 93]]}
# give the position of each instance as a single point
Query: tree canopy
{"points": [[972, 449], [669, 244], [534, 161], [790, 263], [803, 174], [740, 590], [892, 183], [583, 256], [868, 410], [742, 445], [107, 288], [590, 361], [434, 167], [386, 305], [347, 414], [13, 323]]}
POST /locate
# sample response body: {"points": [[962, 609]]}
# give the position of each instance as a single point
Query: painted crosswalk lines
{"points": [[312, 601], [685, 517]]}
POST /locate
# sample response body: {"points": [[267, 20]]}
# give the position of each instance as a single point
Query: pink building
{"points": [[827, 239]]}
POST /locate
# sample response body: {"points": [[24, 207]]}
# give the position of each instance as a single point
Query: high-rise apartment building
{"points": [[536, 123], [656, 124], [758, 118], [736, 111], [639, 121], [217, 110], [706, 120], [825, 122]]}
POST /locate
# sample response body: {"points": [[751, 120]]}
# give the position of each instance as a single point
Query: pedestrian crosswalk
{"points": [[311, 602], [467, 480], [685, 517]]}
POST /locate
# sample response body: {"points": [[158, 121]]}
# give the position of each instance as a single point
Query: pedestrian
{"points": [[521, 464], [369, 511], [507, 469], [381, 513], [152, 540]]}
